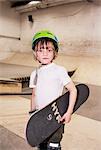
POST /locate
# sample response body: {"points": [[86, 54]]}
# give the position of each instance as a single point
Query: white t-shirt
{"points": [[51, 79]]}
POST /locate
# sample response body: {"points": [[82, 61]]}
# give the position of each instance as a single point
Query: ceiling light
{"points": [[34, 2]]}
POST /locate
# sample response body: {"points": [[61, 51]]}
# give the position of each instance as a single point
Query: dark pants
{"points": [[56, 137]]}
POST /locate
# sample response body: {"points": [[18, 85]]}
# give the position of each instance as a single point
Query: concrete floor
{"points": [[83, 133], [11, 141]]}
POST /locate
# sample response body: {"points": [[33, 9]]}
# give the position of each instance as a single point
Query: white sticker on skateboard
{"points": [[56, 112], [49, 117]]}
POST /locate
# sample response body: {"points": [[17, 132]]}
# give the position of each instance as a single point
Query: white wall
{"points": [[9, 21], [78, 27], [9, 30]]}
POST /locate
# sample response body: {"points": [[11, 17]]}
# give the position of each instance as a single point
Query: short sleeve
{"points": [[32, 78], [64, 76]]}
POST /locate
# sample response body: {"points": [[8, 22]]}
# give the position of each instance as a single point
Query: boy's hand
{"points": [[66, 118]]}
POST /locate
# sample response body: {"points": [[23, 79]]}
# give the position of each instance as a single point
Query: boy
{"points": [[47, 83]]}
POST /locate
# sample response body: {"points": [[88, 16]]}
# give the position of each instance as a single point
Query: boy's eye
{"points": [[39, 50], [49, 50]]}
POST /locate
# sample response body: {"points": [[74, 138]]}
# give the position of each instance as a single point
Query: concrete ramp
{"points": [[89, 71], [19, 58], [88, 68]]}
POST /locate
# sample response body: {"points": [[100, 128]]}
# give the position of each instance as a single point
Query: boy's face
{"points": [[45, 52]]}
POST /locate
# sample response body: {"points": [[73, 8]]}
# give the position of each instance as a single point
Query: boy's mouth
{"points": [[45, 58]]}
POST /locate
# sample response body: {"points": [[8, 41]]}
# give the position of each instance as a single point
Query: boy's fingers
{"points": [[62, 119]]}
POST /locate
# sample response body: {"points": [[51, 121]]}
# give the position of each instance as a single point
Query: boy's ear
{"points": [[55, 55]]}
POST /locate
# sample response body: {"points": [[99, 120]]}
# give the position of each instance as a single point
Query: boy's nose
{"points": [[45, 52]]}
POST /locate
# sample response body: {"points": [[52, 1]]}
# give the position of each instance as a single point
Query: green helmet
{"points": [[45, 35]]}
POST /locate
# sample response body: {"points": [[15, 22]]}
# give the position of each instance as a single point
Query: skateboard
{"points": [[46, 121]]}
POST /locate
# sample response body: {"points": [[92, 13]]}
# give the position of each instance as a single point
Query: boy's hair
{"points": [[46, 40], [45, 36]]}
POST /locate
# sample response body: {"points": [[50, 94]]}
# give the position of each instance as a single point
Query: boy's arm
{"points": [[72, 99], [32, 104]]}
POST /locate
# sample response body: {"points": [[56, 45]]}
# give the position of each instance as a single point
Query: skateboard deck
{"points": [[46, 121]]}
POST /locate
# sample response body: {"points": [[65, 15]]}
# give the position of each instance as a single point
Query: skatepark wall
{"points": [[10, 32], [77, 26]]}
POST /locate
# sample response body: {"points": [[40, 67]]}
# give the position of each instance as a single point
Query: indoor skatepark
{"points": [[83, 129], [83, 132]]}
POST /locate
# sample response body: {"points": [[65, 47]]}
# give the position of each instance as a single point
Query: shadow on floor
{"points": [[10, 141]]}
